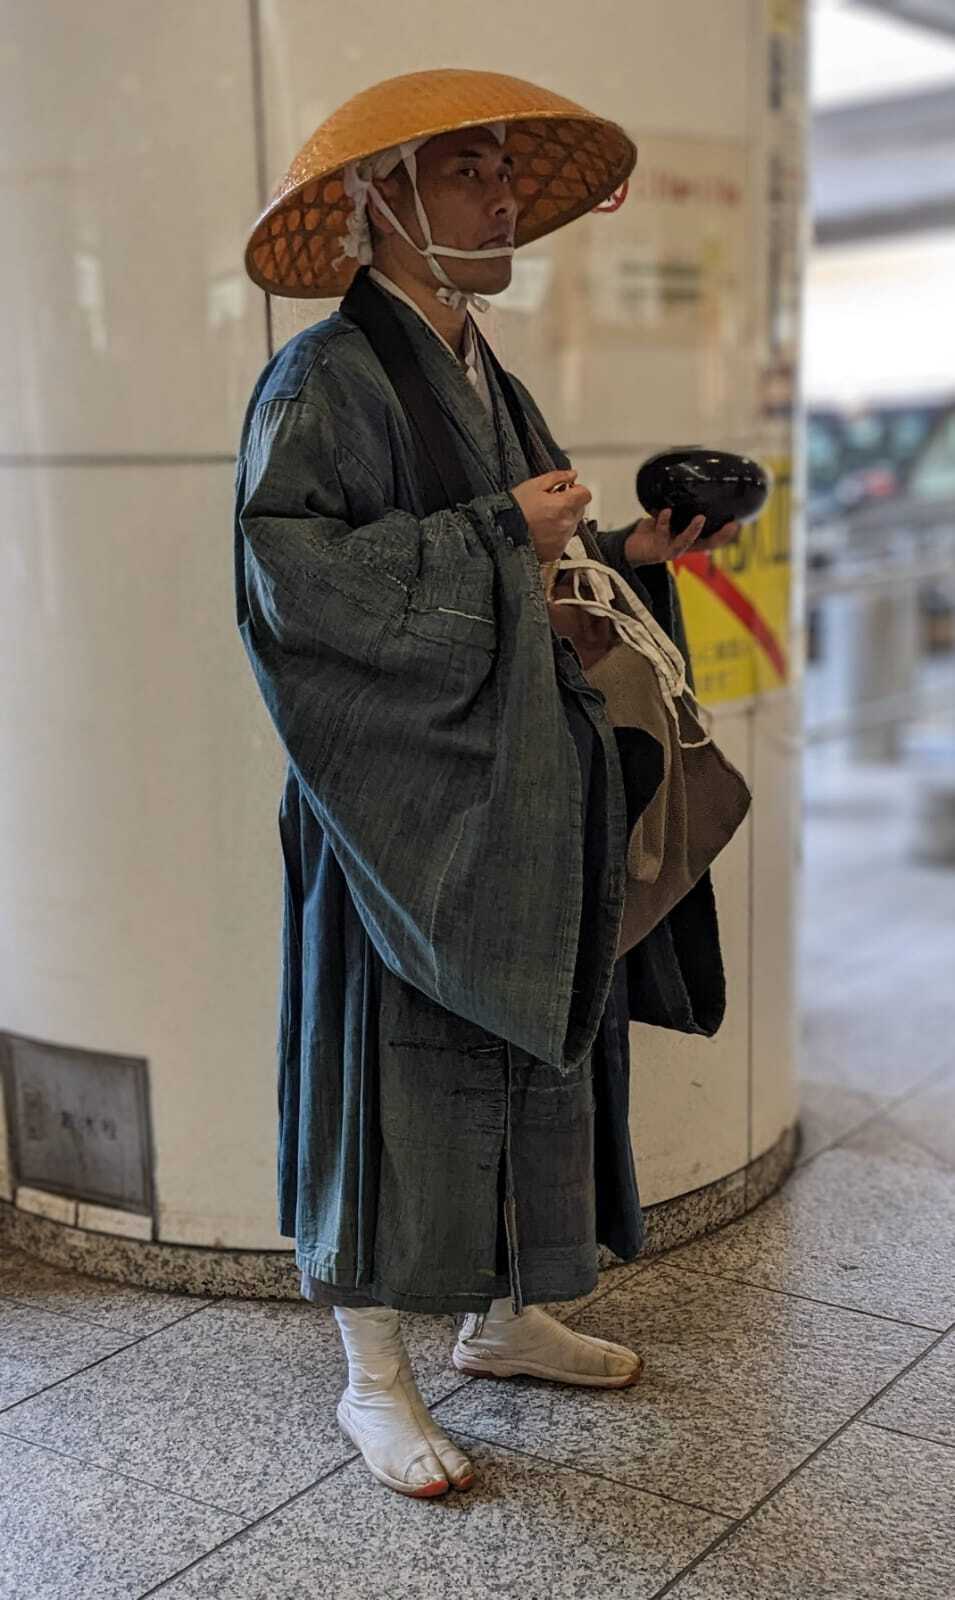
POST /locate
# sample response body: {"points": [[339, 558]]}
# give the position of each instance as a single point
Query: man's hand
{"points": [[652, 541], [592, 636], [553, 505]]}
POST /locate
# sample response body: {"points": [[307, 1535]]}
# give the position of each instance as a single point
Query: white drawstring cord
{"points": [[641, 632]]}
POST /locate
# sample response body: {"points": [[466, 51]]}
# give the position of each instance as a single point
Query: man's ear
{"points": [[389, 188], [377, 223]]}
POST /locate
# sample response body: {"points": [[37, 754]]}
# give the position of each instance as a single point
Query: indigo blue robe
{"points": [[453, 828]]}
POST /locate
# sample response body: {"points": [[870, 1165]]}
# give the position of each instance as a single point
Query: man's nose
{"points": [[505, 202]]}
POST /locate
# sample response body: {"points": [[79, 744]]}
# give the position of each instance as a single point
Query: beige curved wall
{"points": [[140, 874]]}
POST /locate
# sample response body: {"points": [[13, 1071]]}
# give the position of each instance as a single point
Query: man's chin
{"points": [[495, 278]]}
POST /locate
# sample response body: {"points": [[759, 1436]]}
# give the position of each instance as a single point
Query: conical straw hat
{"points": [[567, 160]]}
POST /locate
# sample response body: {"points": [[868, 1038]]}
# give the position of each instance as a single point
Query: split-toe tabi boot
{"points": [[536, 1345], [383, 1412]]}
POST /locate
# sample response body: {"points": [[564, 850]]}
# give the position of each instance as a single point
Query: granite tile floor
{"points": [[793, 1434]]}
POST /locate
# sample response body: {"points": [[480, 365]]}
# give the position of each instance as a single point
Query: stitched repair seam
{"points": [[474, 618]]}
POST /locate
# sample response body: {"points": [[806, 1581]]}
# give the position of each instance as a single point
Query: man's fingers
{"points": [[722, 536], [690, 534], [573, 499]]}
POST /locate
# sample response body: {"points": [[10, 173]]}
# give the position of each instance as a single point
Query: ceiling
{"points": [[882, 157], [936, 15]]}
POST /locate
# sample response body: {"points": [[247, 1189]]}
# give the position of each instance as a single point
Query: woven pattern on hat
{"points": [[567, 160]]}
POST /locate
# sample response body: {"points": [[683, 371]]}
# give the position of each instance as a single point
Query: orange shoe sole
{"points": [[425, 1491], [428, 1491]]}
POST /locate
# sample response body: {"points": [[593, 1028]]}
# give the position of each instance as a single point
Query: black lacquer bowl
{"points": [[695, 482]]}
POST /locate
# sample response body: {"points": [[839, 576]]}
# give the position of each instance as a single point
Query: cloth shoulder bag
{"points": [[702, 798]]}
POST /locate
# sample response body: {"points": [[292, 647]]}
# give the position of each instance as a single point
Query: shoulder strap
{"points": [[442, 480], [530, 443]]}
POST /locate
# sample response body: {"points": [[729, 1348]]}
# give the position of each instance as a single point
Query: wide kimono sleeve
{"points": [[675, 975], [407, 667]]}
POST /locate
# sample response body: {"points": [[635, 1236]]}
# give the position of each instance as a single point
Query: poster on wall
{"points": [[672, 266], [781, 208], [641, 324], [736, 603]]}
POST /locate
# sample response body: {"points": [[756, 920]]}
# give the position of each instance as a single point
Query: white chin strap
{"points": [[359, 184]]}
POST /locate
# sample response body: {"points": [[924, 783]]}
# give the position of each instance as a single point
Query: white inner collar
{"points": [[470, 357]]}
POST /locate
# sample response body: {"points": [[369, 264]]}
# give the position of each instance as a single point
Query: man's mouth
{"points": [[499, 238]]}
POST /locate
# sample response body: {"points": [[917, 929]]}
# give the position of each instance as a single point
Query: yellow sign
{"points": [[736, 603], [787, 16]]}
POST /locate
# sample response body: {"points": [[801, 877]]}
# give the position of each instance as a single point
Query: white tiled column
{"points": [[622, 372], [140, 887], [140, 872]]}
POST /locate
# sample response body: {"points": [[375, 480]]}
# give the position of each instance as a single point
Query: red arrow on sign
{"points": [[719, 584]]}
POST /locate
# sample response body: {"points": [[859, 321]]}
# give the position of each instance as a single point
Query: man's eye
{"points": [[463, 172]]}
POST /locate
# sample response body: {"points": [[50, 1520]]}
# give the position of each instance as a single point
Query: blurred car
{"points": [[857, 456], [886, 468], [926, 494]]}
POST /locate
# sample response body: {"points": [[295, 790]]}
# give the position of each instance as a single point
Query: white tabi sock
{"points": [[382, 1410]]}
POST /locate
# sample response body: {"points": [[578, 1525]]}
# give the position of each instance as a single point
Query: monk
{"points": [[453, 1046]]}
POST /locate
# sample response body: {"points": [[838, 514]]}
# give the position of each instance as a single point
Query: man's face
{"points": [[466, 182]]}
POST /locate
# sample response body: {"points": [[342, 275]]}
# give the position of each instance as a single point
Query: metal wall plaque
{"points": [[78, 1122]]}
